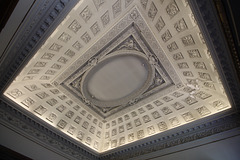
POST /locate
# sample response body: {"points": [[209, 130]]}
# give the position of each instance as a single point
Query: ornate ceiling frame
{"points": [[131, 26], [206, 16]]}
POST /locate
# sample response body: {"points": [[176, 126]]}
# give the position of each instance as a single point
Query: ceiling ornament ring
{"points": [[136, 56]]}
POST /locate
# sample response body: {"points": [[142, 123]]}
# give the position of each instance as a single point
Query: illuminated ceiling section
{"points": [[116, 72]]}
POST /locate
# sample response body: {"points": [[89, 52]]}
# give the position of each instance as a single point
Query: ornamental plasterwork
{"points": [[182, 86], [129, 43]]}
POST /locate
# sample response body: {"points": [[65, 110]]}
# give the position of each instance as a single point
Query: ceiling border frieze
{"points": [[42, 134], [190, 134], [207, 18], [38, 132], [42, 22]]}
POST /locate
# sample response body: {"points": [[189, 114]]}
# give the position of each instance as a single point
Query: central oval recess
{"points": [[117, 77]]}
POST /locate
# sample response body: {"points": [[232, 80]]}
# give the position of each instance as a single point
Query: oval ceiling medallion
{"points": [[117, 79]]}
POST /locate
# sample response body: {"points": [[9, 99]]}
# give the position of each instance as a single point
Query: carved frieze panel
{"points": [[172, 9], [159, 24], [137, 122], [69, 114], [151, 130], [152, 11], [128, 2], [131, 137], [141, 110], [117, 8], [158, 103], [69, 53], [174, 121], [86, 37], [42, 95], [188, 116], [98, 3], [129, 126], [120, 120], [74, 26], [40, 64], [34, 71], [166, 110], [177, 94], [203, 111], [63, 60], [180, 25], [80, 135], [61, 108], [166, 36], [86, 13], [15, 93], [77, 45], [219, 104], [40, 110], [183, 65], [172, 46], [190, 100], [144, 3], [162, 126], [156, 114], [65, 37], [177, 105], [140, 134], [28, 102], [71, 130], [95, 28], [52, 102], [134, 114], [194, 53], [55, 47], [51, 117], [188, 40], [178, 56], [121, 129], [105, 18], [62, 124], [56, 66], [47, 56]]}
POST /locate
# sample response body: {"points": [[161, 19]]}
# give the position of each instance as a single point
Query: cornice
{"points": [[207, 18], [41, 134], [206, 15], [44, 135], [191, 134], [37, 27], [229, 34]]}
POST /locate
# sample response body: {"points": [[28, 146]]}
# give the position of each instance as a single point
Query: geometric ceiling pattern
{"points": [[116, 72]]}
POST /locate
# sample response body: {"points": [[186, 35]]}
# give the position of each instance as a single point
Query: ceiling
{"points": [[116, 72]]}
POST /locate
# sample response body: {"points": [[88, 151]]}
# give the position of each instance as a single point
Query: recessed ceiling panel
{"points": [[116, 72], [130, 67], [117, 78]]}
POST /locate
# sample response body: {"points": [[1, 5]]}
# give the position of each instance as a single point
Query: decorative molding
{"points": [[228, 33], [131, 34], [20, 122], [206, 15], [211, 32], [38, 132], [48, 16], [191, 134]]}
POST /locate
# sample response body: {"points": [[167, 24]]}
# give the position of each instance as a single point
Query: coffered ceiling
{"points": [[116, 72]]}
